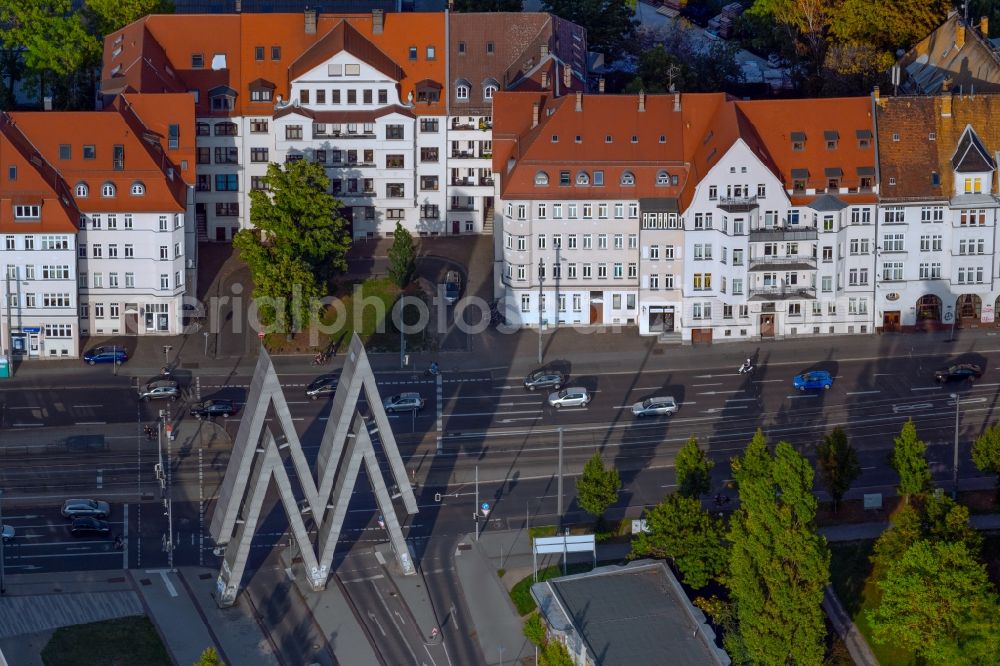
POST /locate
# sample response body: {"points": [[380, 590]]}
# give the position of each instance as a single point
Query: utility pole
{"points": [[162, 473], [541, 298], [559, 489], [3, 586], [475, 509], [402, 339], [954, 462]]}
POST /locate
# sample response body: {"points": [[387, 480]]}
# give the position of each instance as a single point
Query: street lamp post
{"points": [[559, 489], [541, 276], [954, 462]]}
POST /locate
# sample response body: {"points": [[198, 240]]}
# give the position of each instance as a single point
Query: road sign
{"points": [[485, 508]]}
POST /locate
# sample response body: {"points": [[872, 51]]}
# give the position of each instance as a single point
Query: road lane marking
{"points": [[522, 411], [91, 423], [767, 381], [741, 399], [975, 386], [712, 384], [803, 395], [896, 409], [927, 388], [715, 410], [862, 392], [720, 392], [93, 406]]}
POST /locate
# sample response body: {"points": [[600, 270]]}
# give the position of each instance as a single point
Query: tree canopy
{"points": [[597, 488], [298, 241], [680, 529], [986, 452], [609, 23], [106, 16], [837, 464], [489, 5], [909, 462], [778, 564], [401, 256], [694, 470]]}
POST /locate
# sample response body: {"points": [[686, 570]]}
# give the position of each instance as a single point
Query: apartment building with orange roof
{"points": [[96, 238], [369, 96], [693, 216]]}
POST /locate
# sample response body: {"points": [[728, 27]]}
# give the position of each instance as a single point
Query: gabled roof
{"points": [[342, 116], [344, 37], [973, 66], [971, 155]]}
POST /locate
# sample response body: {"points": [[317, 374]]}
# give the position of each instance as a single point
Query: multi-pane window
{"points": [[859, 246], [972, 246], [973, 217], [892, 242], [892, 270], [226, 155], [588, 241], [970, 274], [931, 214], [930, 271]]}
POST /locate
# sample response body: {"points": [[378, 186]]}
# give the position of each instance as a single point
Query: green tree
{"points": [[489, 5], [609, 23], [909, 462], [597, 488], [209, 657], [932, 597], [934, 517], [886, 25], [694, 470], [401, 257], [106, 16], [658, 72], [837, 464], [554, 654], [778, 564], [806, 21], [534, 629], [986, 452], [680, 529], [299, 240]]}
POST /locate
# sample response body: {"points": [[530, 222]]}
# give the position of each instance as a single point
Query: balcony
{"points": [[471, 155], [738, 204], [782, 292], [783, 233], [486, 182], [783, 263]]}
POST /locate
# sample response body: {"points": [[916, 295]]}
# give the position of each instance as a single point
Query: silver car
{"points": [[663, 406], [404, 402], [569, 397], [7, 533], [159, 389], [82, 508]]}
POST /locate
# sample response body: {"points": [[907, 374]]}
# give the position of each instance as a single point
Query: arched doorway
{"points": [[968, 309], [928, 309]]}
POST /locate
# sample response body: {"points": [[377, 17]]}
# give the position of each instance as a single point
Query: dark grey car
{"points": [[322, 386], [85, 508], [544, 379], [160, 389]]}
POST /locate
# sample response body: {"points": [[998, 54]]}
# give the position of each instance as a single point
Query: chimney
{"points": [[642, 101], [600, 85], [239, 6], [311, 21], [378, 21], [579, 101], [984, 26], [876, 93], [545, 51], [960, 35], [946, 104], [677, 102], [545, 80], [534, 115], [567, 76]]}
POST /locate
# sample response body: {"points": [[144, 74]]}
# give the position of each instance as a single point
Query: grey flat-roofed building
{"points": [[627, 616]]}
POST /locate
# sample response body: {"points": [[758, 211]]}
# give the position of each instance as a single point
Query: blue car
{"points": [[106, 355], [817, 379]]}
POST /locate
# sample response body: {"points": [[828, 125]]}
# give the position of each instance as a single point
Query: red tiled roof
{"points": [[344, 37]]}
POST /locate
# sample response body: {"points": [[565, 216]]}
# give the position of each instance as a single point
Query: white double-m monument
{"points": [[347, 442]]}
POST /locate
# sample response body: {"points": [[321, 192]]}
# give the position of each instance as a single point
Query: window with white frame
{"points": [[588, 242], [892, 271], [894, 214]]}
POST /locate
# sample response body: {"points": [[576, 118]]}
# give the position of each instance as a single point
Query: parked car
{"points": [[662, 406], [83, 527], [212, 408], [323, 385], [105, 355], [404, 402], [817, 379], [571, 397], [544, 379], [85, 508], [969, 372], [160, 389], [452, 287], [7, 533]]}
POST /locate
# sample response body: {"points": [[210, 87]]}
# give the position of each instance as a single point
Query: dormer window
{"points": [[663, 138], [489, 88], [138, 189], [108, 190], [608, 139], [582, 178], [462, 90], [833, 178], [931, 136], [429, 92], [864, 138], [628, 178], [555, 138], [222, 98], [564, 178], [662, 178], [82, 190], [832, 137], [541, 178], [412, 53], [261, 90], [798, 141], [197, 61], [635, 138]]}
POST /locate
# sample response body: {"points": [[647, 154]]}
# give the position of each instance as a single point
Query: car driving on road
{"points": [[569, 397], [213, 408], [80, 508], [452, 287], [160, 389], [544, 379], [404, 402], [663, 406], [322, 386], [817, 379], [7, 533], [105, 355], [82, 527], [968, 372]]}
